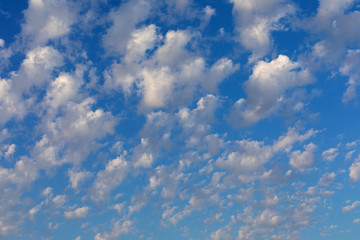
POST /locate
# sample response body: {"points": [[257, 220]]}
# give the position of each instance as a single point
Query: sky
{"points": [[179, 119]]}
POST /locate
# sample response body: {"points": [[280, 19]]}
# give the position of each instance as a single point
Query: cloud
{"points": [[350, 69], [63, 89], [77, 177], [77, 213], [327, 179], [220, 234], [351, 207], [36, 68], [266, 89], [34, 72], [119, 228], [46, 20], [122, 103], [329, 9], [11, 106], [302, 160], [71, 137], [334, 27], [355, 170], [124, 20], [13, 182], [168, 77], [330, 154], [179, 6], [33, 211], [250, 156], [292, 136], [256, 19], [155, 135], [106, 180]]}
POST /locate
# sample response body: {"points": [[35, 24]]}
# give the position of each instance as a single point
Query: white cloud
{"points": [[10, 151], [71, 137], [7, 150], [330, 154], [266, 89], [33, 211], [335, 22], [46, 20], [77, 213], [349, 154], [208, 13], [256, 19], [78, 177], [220, 234], [355, 170], [36, 68], [168, 179], [108, 179], [24, 173], [351, 207], [327, 179], [157, 87], [302, 160], [145, 160], [292, 136], [221, 69], [10, 104], [331, 8], [173, 50], [179, 6], [119, 228], [59, 200], [141, 40], [351, 70], [13, 182], [47, 192], [250, 156], [35, 71], [124, 21], [119, 207], [154, 136], [169, 76], [62, 89], [124, 74], [2, 43]]}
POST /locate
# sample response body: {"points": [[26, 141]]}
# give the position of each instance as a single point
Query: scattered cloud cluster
{"points": [[231, 119]]}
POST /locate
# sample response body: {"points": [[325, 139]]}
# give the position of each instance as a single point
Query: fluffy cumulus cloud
{"points": [[268, 88], [330, 154], [255, 20], [355, 170], [302, 160], [35, 72], [119, 228], [148, 119], [251, 156], [350, 207], [64, 137], [171, 75], [47, 20], [123, 21], [350, 70], [77, 213], [109, 178]]}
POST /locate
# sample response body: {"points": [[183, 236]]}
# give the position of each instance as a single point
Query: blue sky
{"points": [[179, 119]]}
